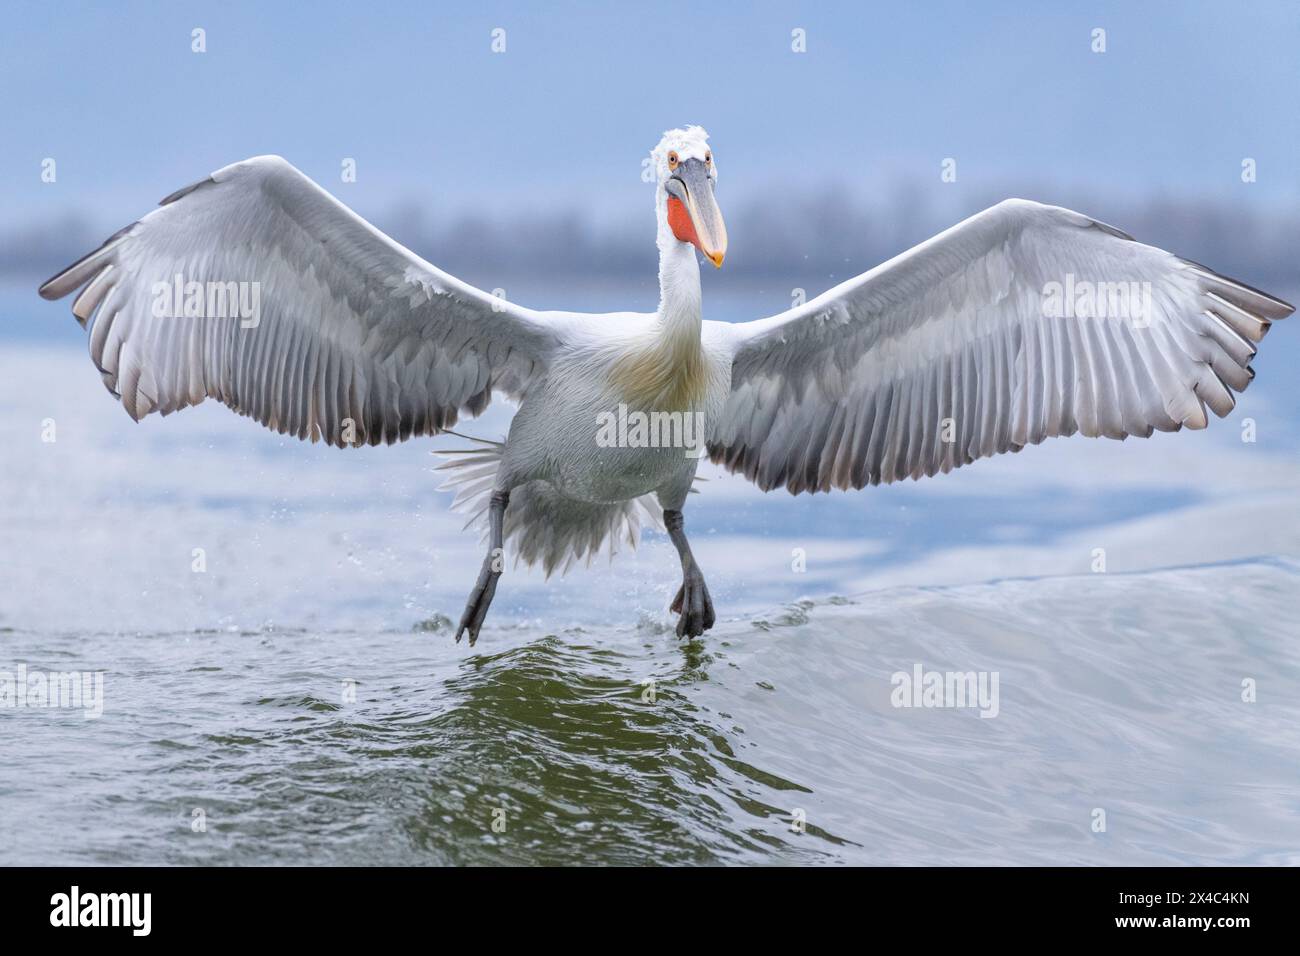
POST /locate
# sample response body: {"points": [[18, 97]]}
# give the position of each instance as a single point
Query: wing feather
{"points": [[351, 328], [953, 352]]}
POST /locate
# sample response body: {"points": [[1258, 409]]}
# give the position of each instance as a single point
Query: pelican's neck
{"points": [[680, 311], [667, 372]]}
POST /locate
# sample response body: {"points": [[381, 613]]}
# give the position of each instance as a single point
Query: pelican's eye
{"points": [[708, 159], [672, 160]]}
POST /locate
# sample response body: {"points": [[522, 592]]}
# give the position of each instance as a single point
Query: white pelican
{"points": [[1023, 322]]}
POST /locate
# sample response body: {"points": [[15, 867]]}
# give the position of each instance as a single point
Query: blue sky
{"points": [[1013, 91]]}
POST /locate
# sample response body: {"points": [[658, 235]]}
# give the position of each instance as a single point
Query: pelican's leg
{"points": [[692, 601], [480, 599]]}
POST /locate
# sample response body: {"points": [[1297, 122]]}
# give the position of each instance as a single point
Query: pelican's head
{"points": [[686, 173]]}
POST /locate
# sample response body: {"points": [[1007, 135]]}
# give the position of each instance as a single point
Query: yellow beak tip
{"points": [[716, 259]]}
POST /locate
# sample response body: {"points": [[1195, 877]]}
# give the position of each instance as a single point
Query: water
{"points": [[1134, 708], [301, 695]]}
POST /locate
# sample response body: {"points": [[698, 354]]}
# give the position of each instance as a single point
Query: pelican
{"points": [[256, 287]]}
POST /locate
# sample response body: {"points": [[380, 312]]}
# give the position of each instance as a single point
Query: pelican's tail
{"points": [[542, 526]]}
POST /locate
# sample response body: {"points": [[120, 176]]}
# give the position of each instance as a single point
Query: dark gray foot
{"points": [[480, 599], [694, 605]]}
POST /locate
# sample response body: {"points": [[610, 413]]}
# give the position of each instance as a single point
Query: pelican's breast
{"points": [[660, 376]]}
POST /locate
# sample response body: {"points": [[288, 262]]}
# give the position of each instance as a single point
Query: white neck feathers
{"points": [[668, 372], [680, 304]]}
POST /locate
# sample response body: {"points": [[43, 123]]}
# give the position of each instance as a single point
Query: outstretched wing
{"points": [[259, 289], [982, 340]]}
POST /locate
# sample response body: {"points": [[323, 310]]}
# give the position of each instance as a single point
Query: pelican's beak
{"points": [[693, 212]]}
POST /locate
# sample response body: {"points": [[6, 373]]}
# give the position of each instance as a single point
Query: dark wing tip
{"points": [[184, 191], [1271, 306], [77, 274]]}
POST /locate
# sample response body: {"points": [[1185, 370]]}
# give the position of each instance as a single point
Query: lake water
{"points": [[300, 700]]}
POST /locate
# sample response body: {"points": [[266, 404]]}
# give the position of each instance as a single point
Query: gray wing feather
{"points": [[953, 352], [357, 340]]}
